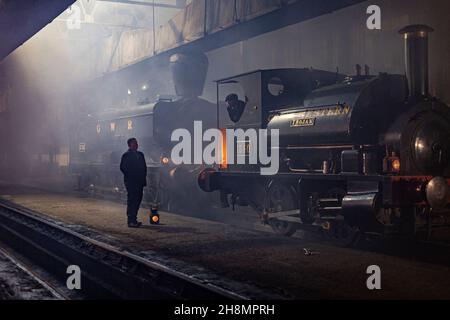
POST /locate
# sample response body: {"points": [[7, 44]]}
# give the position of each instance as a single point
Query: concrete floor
{"points": [[253, 256]]}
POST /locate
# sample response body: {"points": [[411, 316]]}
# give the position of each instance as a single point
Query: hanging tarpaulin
{"points": [[203, 21], [204, 17], [186, 26], [198, 19], [225, 13]]}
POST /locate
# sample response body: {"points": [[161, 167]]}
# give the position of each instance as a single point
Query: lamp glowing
{"points": [[154, 216]]}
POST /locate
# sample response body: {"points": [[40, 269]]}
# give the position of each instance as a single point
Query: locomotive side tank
{"points": [[354, 112]]}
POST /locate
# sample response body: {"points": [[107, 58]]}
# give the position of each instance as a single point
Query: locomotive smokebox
{"points": [[416, 58]]}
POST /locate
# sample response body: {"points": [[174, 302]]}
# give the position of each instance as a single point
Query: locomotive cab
{"points": [[261, 93]]}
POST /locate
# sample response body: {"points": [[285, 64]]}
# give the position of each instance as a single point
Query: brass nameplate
{"points": [[303, 122]]}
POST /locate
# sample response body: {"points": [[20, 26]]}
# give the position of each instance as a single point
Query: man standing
{"points": [[134, 169]]}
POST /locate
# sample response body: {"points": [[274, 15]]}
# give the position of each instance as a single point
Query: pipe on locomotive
{"points": [[416, 59]]}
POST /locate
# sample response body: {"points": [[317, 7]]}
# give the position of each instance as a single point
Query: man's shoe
{"points": [[135, 225]]}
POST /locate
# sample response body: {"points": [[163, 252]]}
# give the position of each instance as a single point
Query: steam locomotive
{"points": [[364, 154], [100, 141]]}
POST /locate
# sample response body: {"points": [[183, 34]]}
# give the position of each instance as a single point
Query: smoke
{"points": [[54, 80]]}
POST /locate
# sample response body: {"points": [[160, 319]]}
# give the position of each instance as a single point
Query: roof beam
{"points": [[180, 4], [21, 19]]}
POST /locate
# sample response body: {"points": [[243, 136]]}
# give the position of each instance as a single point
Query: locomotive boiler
{"points": [[101, 140], [366, 154]]}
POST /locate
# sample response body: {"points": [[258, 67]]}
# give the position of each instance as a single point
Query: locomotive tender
{"points": [[367, 154], [101, 140]]}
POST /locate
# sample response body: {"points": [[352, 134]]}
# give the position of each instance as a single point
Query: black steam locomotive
{"points": [[101, 140], [364, 154]]}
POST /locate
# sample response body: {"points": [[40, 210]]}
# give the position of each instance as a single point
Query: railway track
{"points": [[288, 262], [107, 273], [20, 280]]}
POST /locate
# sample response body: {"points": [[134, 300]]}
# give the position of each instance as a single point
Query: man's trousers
{"points": [[134, 200]]}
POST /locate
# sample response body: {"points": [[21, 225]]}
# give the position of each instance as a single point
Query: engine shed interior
{"points": [[317, 166]]}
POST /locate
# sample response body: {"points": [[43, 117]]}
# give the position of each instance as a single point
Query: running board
{"points": [[288, 216], [281, 214]]}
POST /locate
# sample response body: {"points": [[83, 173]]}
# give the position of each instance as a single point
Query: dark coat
{"points": [[134, 169]]}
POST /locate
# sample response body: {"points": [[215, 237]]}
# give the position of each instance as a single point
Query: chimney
{"points": [[416, 58]]}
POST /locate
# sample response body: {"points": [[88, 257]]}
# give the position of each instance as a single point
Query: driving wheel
{"points": [[279, 198]]}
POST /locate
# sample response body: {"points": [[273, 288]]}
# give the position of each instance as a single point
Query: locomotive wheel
{"points": [[281, 198], [340, 232]]}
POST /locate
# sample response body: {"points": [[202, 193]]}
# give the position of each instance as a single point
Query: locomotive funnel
{"points": [[189, 73], [416, 58]]}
